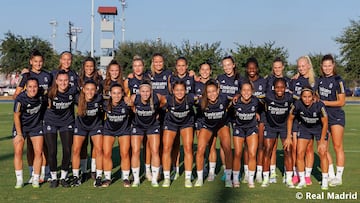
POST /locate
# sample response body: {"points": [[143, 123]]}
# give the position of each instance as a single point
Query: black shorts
{"points": [[137, 131], [50, 129], [37, 131], [244, 132], [272, 133], [115, 133]]}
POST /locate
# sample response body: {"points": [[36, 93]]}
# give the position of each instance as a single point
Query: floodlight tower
{"points": [[75, 31], [54, 24], [123, 6]]}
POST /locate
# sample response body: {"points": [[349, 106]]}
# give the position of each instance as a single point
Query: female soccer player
{"points": [[179, 118], [277, 107], [214, 107], [113, 76], [65, 62], [245, 129], [132, 84], [313, 122], [88, 123], [117, 124], [59, 117], [28, 123], [332, 93], [146, 106], [306, 77]]}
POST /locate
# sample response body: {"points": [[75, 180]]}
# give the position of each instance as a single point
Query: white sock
{"points": [[107, 175], [98, 173], [53, 175], [308, 172], [147, 168], [228, 174], [302, 177], [266, 175], [212, 167], [93, 165], [83, 165], [75, 172], [42, 171], [19, 175], [63, 174], [251, 177], [36, 177], [166, 174], [325, 180], [187, 175], [155, 173], [289, 175], [259, 169], [339, 172], [272, 169], [246, 170], [236, 176], [331, 171], [136, 173], [177, 168], [125, 174], [200, 174]]}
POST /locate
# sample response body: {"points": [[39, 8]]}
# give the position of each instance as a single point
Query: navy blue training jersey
{"points": [[330, 87], [94, 114], [145, 114], [180, 113], [296, 86], [73, 77], [277, 110], [61, 110], [215, 115], [259, 87], [199, 88], [134, 85], [270, 83], [245, 113], [229, 86], [44, 78], [159, 82], [189, 82], [309, 117], [118, 117], [30, 109]]}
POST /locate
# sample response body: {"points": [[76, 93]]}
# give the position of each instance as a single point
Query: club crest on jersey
{"points": [[286, 104], [48, 128], [46, 79], [70, 97], [122, 110], [236, 82], [260, 87], [134, 130], [188, 82], [96, 105], [71, 78], [221, 106], [253, 108], [314, 114], [237, 131], [76, 130], [187, 107], [331, 85], [164, 77]]}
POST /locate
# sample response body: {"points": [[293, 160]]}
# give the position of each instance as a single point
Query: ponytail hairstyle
{"points": [[328, 57], [109, 104], [82, 104], [64, 53], [95, 75], [152, 63], [311, 70], [54, 88], [107, 81], [204, 98], [147, 82], [177, 60]]}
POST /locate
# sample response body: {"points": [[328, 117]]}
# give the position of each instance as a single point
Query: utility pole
{"points": [[92, 29], [123, 6], [70, 34], [53, 23]]}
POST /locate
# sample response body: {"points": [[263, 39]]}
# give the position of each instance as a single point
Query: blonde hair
{"points": [[311, 72]]}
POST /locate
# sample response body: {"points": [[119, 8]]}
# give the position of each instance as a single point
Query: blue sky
{"points": [[302, 27]]}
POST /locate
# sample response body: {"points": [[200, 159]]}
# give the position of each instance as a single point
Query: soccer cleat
{"points": [[64, 183], [154, 183], [35, 183], [335, 182], [324, 188], [211, 177], [76, 182], [251, 185], [301, 185], [97, 182], [54, 183], [273, 178], [19, 184], [245, 179], [228, 184], [236, 183], [135, 184], [199, 183], [31, 180], [290, 184], [166, 182], [265, 182], [126, 183], [188, 183], [308, 181], [295, 179], [148, 176], [84, 177], [259, 178], [106, 183]]}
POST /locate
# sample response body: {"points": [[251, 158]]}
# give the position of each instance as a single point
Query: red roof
{"points": [[107, 10]]}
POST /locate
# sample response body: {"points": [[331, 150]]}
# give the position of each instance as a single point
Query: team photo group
{"points": [[164, 121]]}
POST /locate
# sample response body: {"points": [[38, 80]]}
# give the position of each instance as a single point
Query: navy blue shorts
{"points": [[79, 130], [295, 126], [174, 127], [198, 123], [272, 133], [336, 118], [244, 132], [50, 129], [154, 129], [309, 134], [37, 131], [115, 133], [262, 117]]}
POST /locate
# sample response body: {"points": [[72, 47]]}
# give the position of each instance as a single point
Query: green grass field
{"points": [[210, 192]]}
